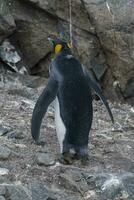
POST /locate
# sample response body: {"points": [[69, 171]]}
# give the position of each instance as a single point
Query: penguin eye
{"points": [[58, 48]]}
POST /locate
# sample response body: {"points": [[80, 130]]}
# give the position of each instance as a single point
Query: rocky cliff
{"points": [[102, 34]]}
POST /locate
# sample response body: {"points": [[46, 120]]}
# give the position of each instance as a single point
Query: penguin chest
{"points": [[60, 127]]}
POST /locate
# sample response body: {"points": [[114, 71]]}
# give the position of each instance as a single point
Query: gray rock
{"points": [[4, 179], [2, 198], [128, 182], [4, 152], [7, 24], [18, 192], [4, 171], [17, 135], [3, 130], [111, 188], [73, 181], [74, 198], [129, 90], [99, 68], [11, 57], [2, 190], [39, 192], [25, 81], [45, 159]]}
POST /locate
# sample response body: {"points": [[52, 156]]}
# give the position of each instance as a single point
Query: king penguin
{"points": [[70, 86]]}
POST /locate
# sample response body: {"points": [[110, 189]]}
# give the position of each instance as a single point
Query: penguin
{"points": [[70, 86]]}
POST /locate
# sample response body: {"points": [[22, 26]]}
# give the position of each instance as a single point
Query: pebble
{"points": [[17, 135], [4, 152], [2, 190], [3, 171], [45, 159], [2, 198], [3, 130]]}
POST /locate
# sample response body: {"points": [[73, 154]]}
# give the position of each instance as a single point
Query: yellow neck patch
{"points": [[58, 48]]}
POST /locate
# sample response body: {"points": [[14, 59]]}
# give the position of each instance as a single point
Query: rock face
{"points": [[114, 27], [102, 33]]}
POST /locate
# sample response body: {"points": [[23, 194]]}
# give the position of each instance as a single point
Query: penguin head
{"points": [[59, 45]]}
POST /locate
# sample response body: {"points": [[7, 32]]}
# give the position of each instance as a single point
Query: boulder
{"points": [[18, 192], [7, 24], [4, 152]]}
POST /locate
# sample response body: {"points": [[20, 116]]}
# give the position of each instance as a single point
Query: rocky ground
{"points": [[32, 172]]}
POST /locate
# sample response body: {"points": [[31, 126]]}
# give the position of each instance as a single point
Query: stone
{"points": [[4, 152], [4, 171], [28, 103], [73, 181], [26, 81], [2, 198], [18, 192], [128, 182], [7, 23], [67, 182], [40, 192], [45, 159], [17, 135], [11, 57], [129, 90], [2, 190], [111, 188], [3, 130]]}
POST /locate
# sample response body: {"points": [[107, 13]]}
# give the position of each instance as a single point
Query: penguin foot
{"points": [[84, 160], [76, 156], [40, 142], [66, 159]]}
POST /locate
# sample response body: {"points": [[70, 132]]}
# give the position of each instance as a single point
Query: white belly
{"points": [[60, 128]]}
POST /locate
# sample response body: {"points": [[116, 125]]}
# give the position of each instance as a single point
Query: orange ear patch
{"points": [[58, 48]]}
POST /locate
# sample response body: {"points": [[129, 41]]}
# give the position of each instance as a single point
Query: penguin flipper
{"points": [[93, 84], [47, 96]]}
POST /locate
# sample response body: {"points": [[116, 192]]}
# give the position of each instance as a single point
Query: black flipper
{"points": [[93, 84], [47, 96]]}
